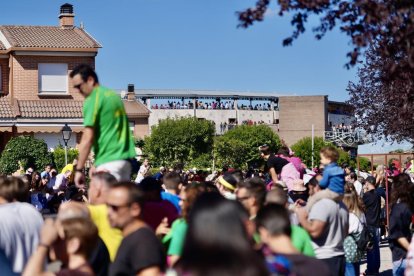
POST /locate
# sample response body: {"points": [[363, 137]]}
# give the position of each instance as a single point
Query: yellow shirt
{"points": [[112, 237], [69, 167]]}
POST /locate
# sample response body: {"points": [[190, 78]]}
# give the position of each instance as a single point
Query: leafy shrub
{"points": [[239, 147], [59, 156], [364, 164], [179, 140], [27, 150], [303, 149]]}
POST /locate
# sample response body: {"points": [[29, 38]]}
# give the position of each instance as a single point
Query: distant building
{"points": [[36, 94], [291, 117]]}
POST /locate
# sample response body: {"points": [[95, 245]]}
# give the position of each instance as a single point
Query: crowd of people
{"points": [[219, 105], [341, 128], [282, 220], [199, 105], [224, 126], [285, 220]]}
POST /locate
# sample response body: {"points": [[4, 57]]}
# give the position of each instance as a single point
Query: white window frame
{"points": [[57, 81]]}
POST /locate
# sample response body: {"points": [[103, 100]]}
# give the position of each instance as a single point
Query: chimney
{"points": [[66, 16], [131, 93]]}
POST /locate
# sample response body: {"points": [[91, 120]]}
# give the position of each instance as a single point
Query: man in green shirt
{"points": [[106, 128]]}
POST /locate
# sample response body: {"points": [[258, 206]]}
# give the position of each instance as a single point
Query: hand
{"points": [[163, 228], [301, 213], [49, 233], [92, 170], [300, 202], [80, 180]]}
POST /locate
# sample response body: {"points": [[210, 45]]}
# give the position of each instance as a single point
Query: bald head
{"points": [[72, 209]]}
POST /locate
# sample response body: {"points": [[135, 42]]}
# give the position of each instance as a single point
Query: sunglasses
{"points": [[116, 208], [78, 86]]}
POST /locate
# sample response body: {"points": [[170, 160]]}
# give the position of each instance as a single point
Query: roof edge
{"points": [[49, 49], [99, 45], [4, 40]]}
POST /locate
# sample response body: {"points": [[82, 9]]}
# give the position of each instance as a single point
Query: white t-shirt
{"points": [[141, 173], [355, 223], [358, 187], [20, 226]]}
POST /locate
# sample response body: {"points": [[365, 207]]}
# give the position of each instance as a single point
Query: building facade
{"points": [[291, 117], [36, 95]]}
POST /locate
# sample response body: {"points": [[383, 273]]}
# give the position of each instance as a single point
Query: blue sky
{"points": [[195, 44]]}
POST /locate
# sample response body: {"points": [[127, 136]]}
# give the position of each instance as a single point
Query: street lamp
{"points": [[66, 134]]}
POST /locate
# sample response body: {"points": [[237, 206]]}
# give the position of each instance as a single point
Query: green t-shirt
{"points": [[104, 111], [302, 241], [176, 237]]}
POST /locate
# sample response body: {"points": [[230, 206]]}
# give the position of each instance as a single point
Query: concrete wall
{"points": [[298, 113], [54, 139], [218, 116]]}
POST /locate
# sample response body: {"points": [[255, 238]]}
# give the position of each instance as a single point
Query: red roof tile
{"points": [[48, 37], [6, 110], [135, 109], [50, 108]]}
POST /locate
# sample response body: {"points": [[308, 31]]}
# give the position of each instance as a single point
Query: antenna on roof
{"points": [[81, 25]]}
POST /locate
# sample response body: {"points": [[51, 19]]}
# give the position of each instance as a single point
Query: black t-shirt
{"points": [[100, 260], [372, 202], [139, 250], [400, 219], [277, 163]]}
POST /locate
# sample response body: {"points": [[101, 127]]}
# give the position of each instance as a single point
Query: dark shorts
{"points": [[336, 265]]}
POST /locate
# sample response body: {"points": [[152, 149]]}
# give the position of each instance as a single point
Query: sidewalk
{"points": [[386, 261]]}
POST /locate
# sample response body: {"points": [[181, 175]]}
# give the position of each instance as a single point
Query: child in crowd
{"points": [[333, 180]]}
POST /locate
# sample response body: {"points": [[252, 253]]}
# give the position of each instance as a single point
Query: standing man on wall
{"points": [[106, 128]]}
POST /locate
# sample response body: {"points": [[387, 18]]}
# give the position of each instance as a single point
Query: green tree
{"points": [[27, 150], [179, 140], [239, 147], [59, 156], [303, 149], [364, 164]]}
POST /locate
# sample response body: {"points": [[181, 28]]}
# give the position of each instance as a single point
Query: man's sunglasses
{"points": [[77, 86], [116, 208]]}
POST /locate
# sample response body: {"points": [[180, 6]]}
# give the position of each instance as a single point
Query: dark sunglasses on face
{"points": [[116, 208], [77, 86]]}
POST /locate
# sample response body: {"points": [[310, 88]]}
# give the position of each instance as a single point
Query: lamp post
{"points": [[66, 134]]}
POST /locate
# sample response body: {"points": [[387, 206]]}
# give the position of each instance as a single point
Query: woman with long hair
{"points": [[38, 193], [217, 241], [175, 238], [380, 176], [356, 224], [35, 182], [401, 206]]}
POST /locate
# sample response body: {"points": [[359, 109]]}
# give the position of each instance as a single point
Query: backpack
{"points": [[352, 253], [366, 239]]}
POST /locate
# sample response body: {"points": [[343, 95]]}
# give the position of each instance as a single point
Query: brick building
{"points": [[36, 94]]}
